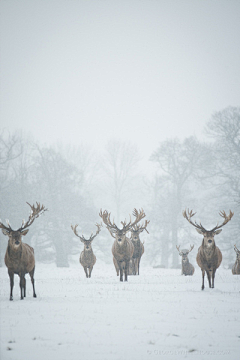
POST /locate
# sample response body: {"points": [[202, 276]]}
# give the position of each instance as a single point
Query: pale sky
{"points": [[141, 71]]}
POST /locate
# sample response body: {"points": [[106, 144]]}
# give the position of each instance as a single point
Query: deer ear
{"points": [[24, 232], [5, 232], [199, 231], [218, 231]]}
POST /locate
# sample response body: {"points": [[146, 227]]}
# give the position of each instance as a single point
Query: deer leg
{"points": [[24, 286], [209, 278], [11, 276], [213, 276], [138, 265], [126, 270], [33, 281], [90, 271], [121, 270], [22, 282], [203, 274], [86, 272]]}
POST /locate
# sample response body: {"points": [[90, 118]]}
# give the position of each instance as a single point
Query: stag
{"points": [[236, 266], [19, 257], [138, 245], [187, 267], [122, 248], [87, 258], [209, 256]]}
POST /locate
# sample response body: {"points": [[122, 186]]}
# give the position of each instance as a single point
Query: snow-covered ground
{"points": [[157, 315]]}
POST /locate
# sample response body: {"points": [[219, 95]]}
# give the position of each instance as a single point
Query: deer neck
{"points": [[186, 263], [14, 251], [208, 251], [122, 248]]}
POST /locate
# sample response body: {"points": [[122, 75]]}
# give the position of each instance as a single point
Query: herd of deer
{"points": [[127, 252]]}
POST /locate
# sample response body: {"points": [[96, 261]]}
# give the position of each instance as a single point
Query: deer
{"points": [[122, 248], [19, 257], [187, 267], [236, 266], [87, 258], [209, 256], [138, 245]]}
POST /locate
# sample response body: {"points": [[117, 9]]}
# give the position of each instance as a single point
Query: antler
{"points": [[189, 216], [178, 247], [139, 216], [34, 213], [191, 247], [74, 229], [7, 228], [226, 219], [236, 249], [112, 227], [97, 232], [140, 228], [82, 238]]}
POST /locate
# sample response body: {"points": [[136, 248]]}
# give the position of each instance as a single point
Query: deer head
{"points": [[87, 242], [120, 234], [208, 235], [15, 236], [184, 253], [137, 229]]}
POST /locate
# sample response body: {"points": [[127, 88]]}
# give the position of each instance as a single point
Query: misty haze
{"points": [[119, 158]]}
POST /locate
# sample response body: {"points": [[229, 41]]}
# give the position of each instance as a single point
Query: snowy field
{"points": [[157, 315]]}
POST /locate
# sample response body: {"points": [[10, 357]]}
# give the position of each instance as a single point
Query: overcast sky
{"points": [[141, 71]]}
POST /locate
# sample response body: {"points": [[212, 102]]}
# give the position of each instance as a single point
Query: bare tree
{"points": [[121, 176], [179, 164], [224, 129]]}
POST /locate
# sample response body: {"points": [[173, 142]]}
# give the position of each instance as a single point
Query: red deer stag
{"points": [[138, 245], [87, 258], [187, 267], [209, 256], [19, 257], [236, 266], [122, 248]]}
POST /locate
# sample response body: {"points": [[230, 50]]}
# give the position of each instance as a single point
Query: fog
{"points": [[117, 105], [141, 71]]}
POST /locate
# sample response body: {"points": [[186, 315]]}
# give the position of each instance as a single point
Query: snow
{"points": [[159, 314]]}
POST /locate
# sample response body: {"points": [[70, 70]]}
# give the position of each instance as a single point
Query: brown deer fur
{"points": [[236, 266], [87, 258], [19, 257], [137, 253], [209, 256], [187, 267], [122, 248]]}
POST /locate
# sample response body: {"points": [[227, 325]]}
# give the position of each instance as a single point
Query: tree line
{"points": [[75, 182]]}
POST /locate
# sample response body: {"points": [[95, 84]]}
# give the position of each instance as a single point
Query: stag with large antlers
{"points": [[236, 266], [136, 230], [87, 258], [187, 267], [209, 256], [122, 248], [19, 257]]}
